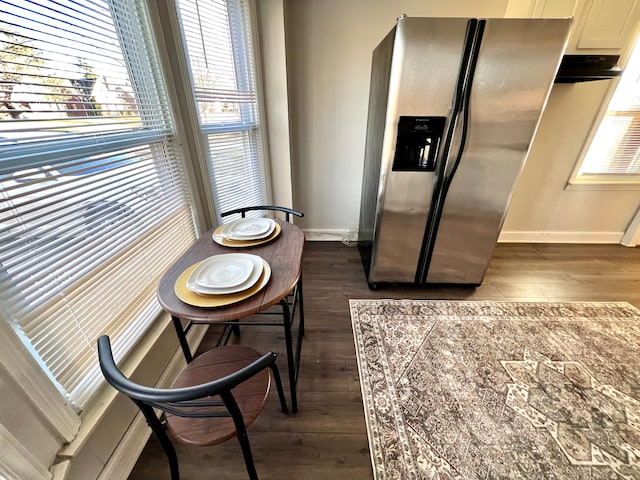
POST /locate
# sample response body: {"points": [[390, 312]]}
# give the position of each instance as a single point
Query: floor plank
{"points": [[327, 438]]}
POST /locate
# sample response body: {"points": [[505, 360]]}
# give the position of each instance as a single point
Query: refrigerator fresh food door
{"points": [[516, 65], [425, 63]]}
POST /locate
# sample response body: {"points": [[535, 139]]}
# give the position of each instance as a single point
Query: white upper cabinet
{"points": [[541, 8], [600, 26], [605, 25]]}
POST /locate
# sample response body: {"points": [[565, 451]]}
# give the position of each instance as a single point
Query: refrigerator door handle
{"points": [[471, 47], [472, 26], [464, 105]]}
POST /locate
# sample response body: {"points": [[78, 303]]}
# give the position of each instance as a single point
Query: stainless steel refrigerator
{"points": [[453, 107]]}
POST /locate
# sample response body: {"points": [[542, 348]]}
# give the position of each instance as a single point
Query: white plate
{"points": [[256, 270], [213, 301], [220, 239], [223, 271], [249, 228]]}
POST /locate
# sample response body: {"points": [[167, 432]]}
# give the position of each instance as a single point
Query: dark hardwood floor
{"points": [[327, 439]]}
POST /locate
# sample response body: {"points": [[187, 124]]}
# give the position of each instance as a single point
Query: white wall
{"points": [[276, 102], [541, 208], [329, 45]]}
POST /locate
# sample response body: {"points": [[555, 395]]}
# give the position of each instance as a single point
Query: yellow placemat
{"points": [[221, 240], [198, 300]]}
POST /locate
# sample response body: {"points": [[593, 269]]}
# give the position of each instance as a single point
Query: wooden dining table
{"points": [[284, 288]]}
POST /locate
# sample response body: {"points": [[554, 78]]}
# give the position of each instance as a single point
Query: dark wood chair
{"points": [[216, 397]]}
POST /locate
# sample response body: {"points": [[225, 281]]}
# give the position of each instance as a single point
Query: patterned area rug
{"points": [[491, 390]]}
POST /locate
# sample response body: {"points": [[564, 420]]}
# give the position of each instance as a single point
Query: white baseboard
{"points": [[326, 235], [351, 235], [560, 237]]}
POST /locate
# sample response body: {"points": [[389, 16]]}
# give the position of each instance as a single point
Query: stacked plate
{"points": [[229, 273], [246, 232]]}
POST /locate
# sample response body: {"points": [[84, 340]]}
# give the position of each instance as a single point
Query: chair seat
{"points": [[250, 395]]}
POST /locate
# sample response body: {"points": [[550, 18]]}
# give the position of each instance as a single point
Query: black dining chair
{"points": [[216, 397]]}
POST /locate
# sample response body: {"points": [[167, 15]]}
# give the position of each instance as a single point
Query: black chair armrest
{"points": [[151, 394]]}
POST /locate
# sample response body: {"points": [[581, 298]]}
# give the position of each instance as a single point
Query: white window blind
{"points": [[615, 149], [219, 41], [93, 205]]}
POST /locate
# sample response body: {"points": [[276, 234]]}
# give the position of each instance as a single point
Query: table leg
{"points": [[236, 329], [287, 320], [182, 338], [301, 305]]}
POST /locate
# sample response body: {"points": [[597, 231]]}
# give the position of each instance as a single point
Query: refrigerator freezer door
{"points": [[423, 73], [516, 66]]}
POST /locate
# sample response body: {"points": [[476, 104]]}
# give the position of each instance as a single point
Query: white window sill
{"points": [[604, 182]]}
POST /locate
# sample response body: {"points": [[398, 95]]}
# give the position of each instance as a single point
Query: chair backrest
{"points": [[243, 211], [177, 401]]}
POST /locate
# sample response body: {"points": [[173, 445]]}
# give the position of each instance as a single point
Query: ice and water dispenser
{"points": [[417, 144]]}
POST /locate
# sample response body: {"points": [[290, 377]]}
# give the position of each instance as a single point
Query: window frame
{"points": [[28, 154], [24, 370], [20, 368], [203, 130], [604, 181]]}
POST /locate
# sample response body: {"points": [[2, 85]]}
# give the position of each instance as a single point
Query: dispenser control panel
{"points": [[417, 144]]}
